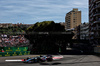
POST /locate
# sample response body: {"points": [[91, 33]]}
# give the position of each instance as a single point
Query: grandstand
{"points": [[13, 41], [13, 45]]}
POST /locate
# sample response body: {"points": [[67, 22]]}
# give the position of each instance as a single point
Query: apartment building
{"points": [[72, 19], [84, 31], [94, 22], [5, 25]]}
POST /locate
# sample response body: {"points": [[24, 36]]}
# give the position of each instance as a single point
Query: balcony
{"points": [[92, 33], [95, 7], [96, 14], [95, 1], [91, 19], [91, 6], [97, 37], [90, 3], [98, 28], [94, 28], [97, 21], [93, 24], [91, 15], [98, 6], [91, 28], [92, 38], [84, 27], [84, 32]]}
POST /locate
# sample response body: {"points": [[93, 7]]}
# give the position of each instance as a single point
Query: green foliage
{"points": [[46, 26], [11, 30], [48, 43]]}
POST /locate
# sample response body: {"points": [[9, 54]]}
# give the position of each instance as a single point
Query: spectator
{"points": [[18, 40]]}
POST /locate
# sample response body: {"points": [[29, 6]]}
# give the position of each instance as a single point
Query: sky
{"points": [[32, 11]]}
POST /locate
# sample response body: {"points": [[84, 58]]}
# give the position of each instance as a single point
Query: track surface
{"points": [[68, 60]]}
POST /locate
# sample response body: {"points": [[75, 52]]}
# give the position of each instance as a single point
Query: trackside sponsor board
{"points": [[13, 51]]}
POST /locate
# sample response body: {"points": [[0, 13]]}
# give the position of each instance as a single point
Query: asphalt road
{"points": [[68, 60]]}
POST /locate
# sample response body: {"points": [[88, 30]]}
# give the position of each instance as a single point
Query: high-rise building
{"points": [[94, 21], [84, 31], [72, 19]]}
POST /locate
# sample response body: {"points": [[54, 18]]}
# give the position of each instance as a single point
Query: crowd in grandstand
{"points": [[11, 40]]}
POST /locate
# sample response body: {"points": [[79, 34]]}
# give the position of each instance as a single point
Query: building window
{"points": [[73, 13], [73, 19]]}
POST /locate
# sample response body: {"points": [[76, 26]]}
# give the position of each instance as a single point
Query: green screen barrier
{"points": [[10, 49], [0, 55], [23, 53], [14, 53], [5, 53], [20, 48]]}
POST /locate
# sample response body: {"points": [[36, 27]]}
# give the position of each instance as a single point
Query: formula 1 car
{"points": [[42, 59], [39, 59], [35, 59]]}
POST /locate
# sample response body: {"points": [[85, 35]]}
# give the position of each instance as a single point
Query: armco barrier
{"points": [[14, 51]]}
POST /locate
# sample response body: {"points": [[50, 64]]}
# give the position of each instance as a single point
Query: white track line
{"points": [[13, 60]]}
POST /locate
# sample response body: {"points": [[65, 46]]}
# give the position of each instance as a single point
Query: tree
{"points": [[48, 43], [46, 26]]}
